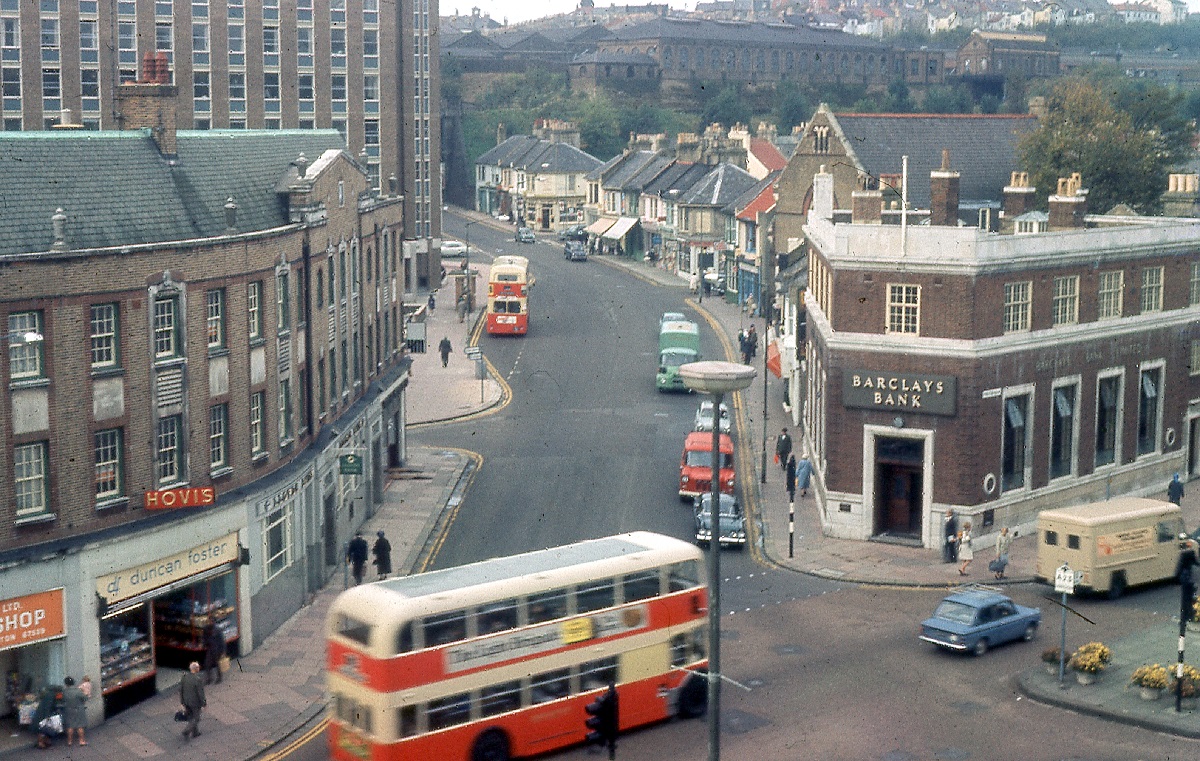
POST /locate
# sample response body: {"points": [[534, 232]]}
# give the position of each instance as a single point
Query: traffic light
{"points": [[603, 720]]}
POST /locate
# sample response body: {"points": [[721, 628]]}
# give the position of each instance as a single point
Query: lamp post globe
{"points": [[715, 378]]}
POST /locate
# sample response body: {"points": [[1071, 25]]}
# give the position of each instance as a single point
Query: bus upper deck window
{"points": [[354, 629], [595, 596], [404, 638], [445, 628], [498, 617], [547, 606], [685, 575], [641, 585]]}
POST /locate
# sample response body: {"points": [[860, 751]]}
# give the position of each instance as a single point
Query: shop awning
{"points": [[599, 226], [619, 228]]}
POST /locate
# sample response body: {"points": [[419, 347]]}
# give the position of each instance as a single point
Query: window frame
{"points": [[1151, 297], [1010, 457], [1150, 413], [1018, 305], [169, 444], [1064, 437], [1117, 376], [902, 311], [254, 291], [31, 479], [1066, 304], [1110, 297], [168, 336], [218, 437], [214, 319], [258, 430], [102, 463], [30, 353], [277, 540]]}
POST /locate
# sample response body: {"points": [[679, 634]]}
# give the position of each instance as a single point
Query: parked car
{"points": [[574, 251], [732, 522], [525, 235], [695, 466], [976, 618], [704, 417], [453, 248], [574, 232]]}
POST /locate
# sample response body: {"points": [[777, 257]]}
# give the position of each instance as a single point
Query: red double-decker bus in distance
{"points": [[508, 296], [498, 659]]}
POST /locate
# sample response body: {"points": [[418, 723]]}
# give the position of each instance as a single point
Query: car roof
{"points": [[977, 598]]}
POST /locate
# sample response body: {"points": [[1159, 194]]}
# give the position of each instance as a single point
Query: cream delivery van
{"points": [[1114, 544]]}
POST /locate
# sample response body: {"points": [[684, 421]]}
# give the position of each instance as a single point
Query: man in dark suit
{"points": [[191, 697], [356, 556]]}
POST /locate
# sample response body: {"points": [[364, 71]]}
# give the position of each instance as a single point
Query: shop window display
{"points": [[126, 650], [180, 618]]}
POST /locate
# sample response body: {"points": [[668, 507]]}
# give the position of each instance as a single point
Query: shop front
{"points": [[153, 617], [32, 634]]}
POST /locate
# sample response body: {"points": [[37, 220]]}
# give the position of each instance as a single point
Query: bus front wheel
{"points": [[492, 745], [693, 696]]}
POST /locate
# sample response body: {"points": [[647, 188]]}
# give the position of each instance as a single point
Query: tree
{"points": [[726, 108], [600, 127], [1119, 160], [792, 108]]}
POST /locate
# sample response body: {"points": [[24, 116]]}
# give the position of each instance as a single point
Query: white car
{"points": [[454, 248], [671, 317], [704, 417]]}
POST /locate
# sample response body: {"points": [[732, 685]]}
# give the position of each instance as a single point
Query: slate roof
{"points": [[531, 153], [739, 33], [679, 177], [637, 181], [117, 190], [626, 169], [983, 148], [721, 186]]}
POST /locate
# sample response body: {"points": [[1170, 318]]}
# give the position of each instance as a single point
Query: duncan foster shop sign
{"points": [[900, 392]]}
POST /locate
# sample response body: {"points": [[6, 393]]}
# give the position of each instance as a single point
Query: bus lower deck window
{"points": [[596, 674], [408, 721], [551, 685], [448, 711], [500, 698]]}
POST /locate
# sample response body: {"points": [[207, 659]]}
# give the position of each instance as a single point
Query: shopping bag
{"points": [[996, 566], [52, 724], [223, 663]]}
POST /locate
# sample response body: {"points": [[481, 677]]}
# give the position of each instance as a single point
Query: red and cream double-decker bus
{"points": [[498, 659], [508, 296]]}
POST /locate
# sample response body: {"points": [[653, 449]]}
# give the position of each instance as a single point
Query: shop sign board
{"points": [[31, 618], [171, 499], [142, 578], [350, 465], [900, 392]]}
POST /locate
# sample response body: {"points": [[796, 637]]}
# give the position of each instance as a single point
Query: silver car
{"points": [[704, 417]]}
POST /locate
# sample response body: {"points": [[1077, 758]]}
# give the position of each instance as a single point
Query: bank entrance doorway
{"points": [[899, 480]]}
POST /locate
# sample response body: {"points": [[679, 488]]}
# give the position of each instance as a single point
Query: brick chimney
{"points": [[866, 203], [1068, 207], [1018, 199], [150, 103], [943, 194]]}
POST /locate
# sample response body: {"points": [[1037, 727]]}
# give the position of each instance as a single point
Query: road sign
{"points": [[1065, 580], [473, 352]]}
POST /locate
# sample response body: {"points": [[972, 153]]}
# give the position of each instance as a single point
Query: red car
{"points": [[695, 467]]}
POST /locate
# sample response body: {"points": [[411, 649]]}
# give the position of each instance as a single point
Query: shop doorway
{"points": [[331, 546], [1193, 466], [899, 479]]}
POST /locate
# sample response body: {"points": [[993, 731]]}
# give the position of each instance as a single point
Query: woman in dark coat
{"points": [[49, 704], [214, 648], [790, 477]]}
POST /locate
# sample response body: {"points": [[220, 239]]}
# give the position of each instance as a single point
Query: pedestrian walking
{"points": [[1186, 573], [950, 534], [783, 448], [965, 552], [432, 303], [789, 478], [803, 474], [1175, 490], [74, 711], [356, 556], [214, 648], [382, 550], [191, 699], [1003, 542], [444, 348], [47, 717], [751, 342], [461, 307]]}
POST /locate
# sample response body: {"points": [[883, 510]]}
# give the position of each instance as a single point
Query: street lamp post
{"points": [[718, 379], [466, 267]]}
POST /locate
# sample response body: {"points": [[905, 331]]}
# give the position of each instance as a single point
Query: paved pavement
{"points": [[275, 696]]}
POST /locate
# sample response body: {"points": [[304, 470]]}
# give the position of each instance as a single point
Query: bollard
{"points": [[791, 529]]}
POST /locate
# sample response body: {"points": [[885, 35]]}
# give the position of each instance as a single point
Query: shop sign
{"points": [[32, 618], [350, 465], [134, 581], [170, 499], [900, 392]]}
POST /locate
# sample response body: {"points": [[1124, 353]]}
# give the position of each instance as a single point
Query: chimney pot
{"points": [[301, 165], [230, 215], [59, 223]]}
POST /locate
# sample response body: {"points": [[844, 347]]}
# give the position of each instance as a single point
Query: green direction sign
{"points": [[350, 465]]}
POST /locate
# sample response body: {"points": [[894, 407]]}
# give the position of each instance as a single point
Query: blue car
{"points": [[974, 619]]}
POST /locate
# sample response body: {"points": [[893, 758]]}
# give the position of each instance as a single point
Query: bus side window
{"points": [[595, 595], [500, 698], [596, 674], [445, 628], [448, 711], [404, 638], [681, 576], [498, 617], [551, 685], [547, 606], [641, 585], [1050, 537], [408, 721], [354, 629]]}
